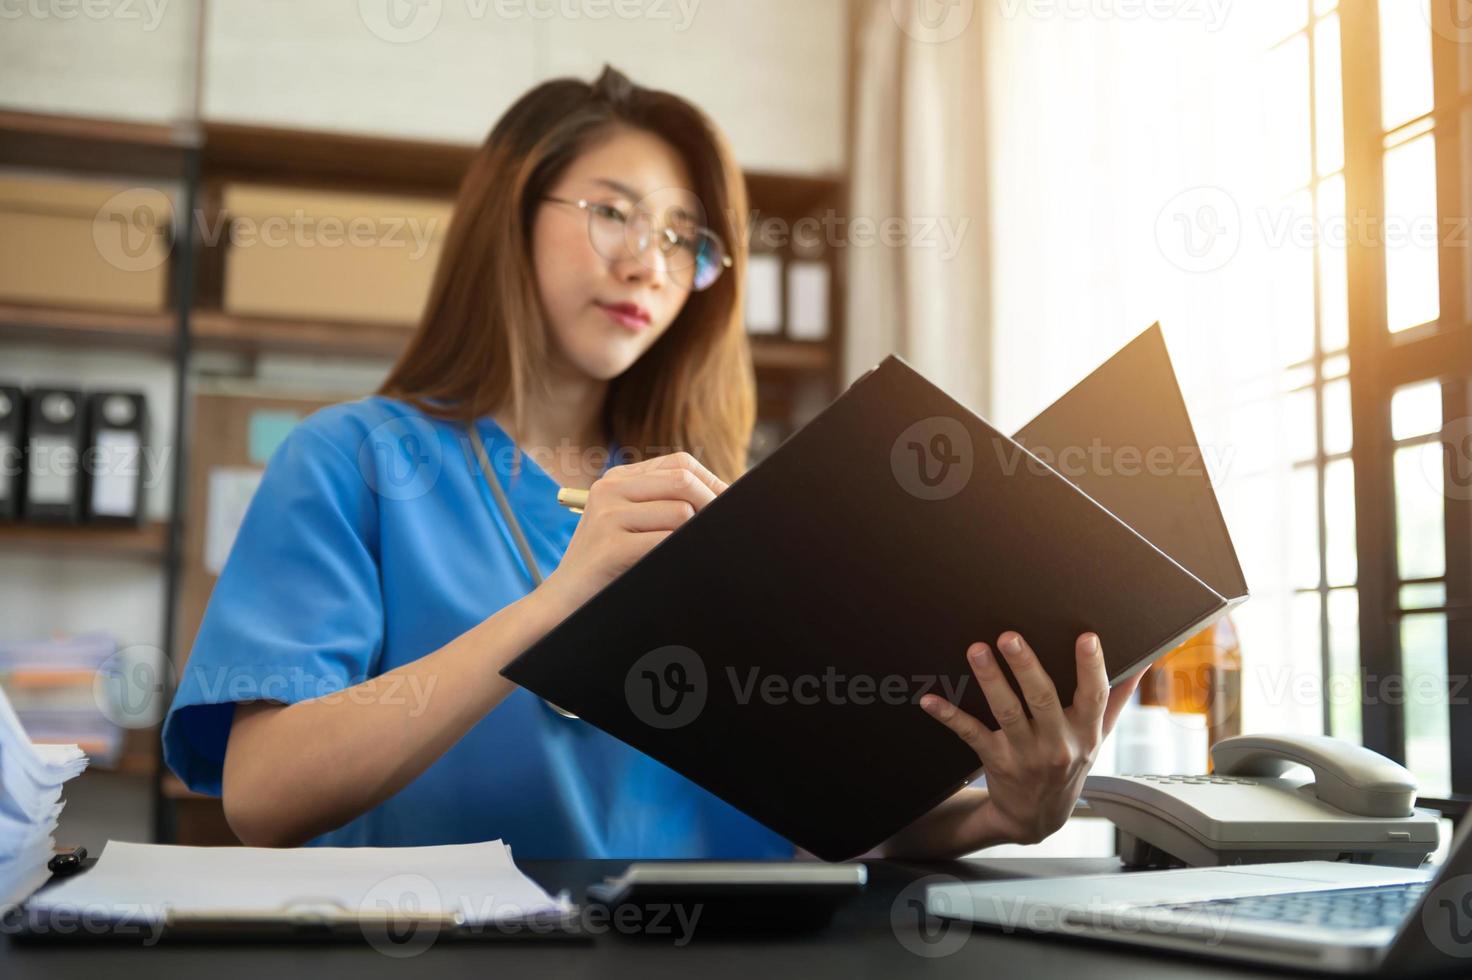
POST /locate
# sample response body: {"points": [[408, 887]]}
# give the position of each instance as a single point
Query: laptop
{"points": [[1326, 916]]}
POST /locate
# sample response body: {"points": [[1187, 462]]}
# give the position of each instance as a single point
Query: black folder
{"points": [[55, 440], [117, 431], [774, 648], [12, 450]]}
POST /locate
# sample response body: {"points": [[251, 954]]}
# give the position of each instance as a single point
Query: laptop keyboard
{"points": [[1343, 908]]}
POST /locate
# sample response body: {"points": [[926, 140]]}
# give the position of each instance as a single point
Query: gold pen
{"points": [[573, 500]]}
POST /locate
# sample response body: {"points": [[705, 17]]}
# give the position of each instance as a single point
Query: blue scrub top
{"points": [[373, 540]]}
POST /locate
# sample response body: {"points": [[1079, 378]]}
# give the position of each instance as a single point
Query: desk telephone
{"points": [[1355, 805]]}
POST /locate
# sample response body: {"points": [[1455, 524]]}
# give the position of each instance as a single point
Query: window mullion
{"points": [[1384, 723]]}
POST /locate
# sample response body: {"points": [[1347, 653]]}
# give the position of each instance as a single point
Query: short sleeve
{"points": [[297, 611]]}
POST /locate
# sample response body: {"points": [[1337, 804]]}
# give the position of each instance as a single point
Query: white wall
{"points": [[123, 59], [319, 65], [771, 72]]}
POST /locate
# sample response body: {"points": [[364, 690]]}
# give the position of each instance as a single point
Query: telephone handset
{"points": [[1355, 805], [1348, 776]]}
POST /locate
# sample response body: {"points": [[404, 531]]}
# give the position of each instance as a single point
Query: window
{"points": [[1404, 106], [1285, 192], [1324, 573], [1380, 358]]}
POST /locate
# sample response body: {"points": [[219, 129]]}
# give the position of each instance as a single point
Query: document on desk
{"points": [[453, 885]]}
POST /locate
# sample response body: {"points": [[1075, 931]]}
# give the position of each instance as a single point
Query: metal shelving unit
{"points": [[200, 161]]}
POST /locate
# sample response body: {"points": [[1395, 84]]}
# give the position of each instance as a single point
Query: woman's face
{"points": [[606, 306]]}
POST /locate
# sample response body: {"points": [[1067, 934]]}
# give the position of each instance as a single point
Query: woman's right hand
{"points": [[630, 509]]}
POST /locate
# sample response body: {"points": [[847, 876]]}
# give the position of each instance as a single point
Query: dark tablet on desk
{"points": [[682, 899]]}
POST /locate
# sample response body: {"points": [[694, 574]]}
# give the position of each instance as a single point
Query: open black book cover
{"points": [[774, 648]]}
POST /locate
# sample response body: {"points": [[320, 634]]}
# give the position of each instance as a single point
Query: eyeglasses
{"points": [[694, 255]]}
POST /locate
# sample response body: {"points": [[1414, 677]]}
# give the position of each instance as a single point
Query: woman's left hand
{"points": [[1035, 767]]}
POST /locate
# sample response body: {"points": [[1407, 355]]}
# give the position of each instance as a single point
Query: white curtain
{"points": [[916, 259], [1132, 180], [1109, 172], [1116, 171]]}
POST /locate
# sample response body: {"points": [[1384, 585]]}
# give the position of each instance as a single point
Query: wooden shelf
{"points": [[214, 330], [792, 196], [273, 155], [336, 161], [87, 540], [790, 355], [140, 751], [350, 161], [53, 325], [211, 156], [89, 145], [93, 129], [134, 763]]}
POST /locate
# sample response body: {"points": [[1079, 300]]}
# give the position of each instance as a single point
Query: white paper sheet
{"points": [[478, 882], [9, 461], [807, 301], [230, 491], [115, 485], [53, 470], [763, 294]]}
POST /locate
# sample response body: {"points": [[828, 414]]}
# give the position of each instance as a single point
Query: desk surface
{"points": [[867, 937]]}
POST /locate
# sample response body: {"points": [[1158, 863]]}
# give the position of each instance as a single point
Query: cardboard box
{"points": [[330, 256], [76, 243]]}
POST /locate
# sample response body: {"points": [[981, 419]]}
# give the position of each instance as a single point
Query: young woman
{"points": [[344, 688]]}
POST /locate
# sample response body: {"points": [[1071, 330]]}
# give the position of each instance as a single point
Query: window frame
{"points": [[1381, 363]]}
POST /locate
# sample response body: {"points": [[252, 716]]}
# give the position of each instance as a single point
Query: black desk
{"points": [[865, 939]]}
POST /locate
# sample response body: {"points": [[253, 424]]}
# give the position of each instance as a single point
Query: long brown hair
{"points": [[482, 341]]}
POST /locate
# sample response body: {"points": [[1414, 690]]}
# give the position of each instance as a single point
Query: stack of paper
{"points": [[30, 803], [456, 884]]}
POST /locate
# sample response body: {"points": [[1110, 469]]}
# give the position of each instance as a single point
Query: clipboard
{"points": [[398, 900], [875, 545]]}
